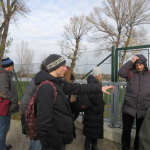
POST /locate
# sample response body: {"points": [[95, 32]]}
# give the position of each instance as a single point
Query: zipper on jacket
{"points": [[138, 96]]}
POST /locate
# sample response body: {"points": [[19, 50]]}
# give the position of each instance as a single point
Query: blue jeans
{"points": [[35, 145], [4, 128]]}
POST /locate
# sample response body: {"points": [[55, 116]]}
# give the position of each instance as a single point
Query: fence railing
{"points": [[113, 103]]}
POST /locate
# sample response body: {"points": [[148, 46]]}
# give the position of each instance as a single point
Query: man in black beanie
{"points": [[137, 97], [7, 91], [54, 120]]}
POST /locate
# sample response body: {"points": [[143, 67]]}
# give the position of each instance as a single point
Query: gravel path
{"points": [[20, 142]]}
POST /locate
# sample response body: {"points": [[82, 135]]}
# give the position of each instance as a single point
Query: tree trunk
{"points": [[4, 37], [126, 45], [75, 55]]}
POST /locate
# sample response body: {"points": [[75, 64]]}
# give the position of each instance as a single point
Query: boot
{"points": [[94, 147]]}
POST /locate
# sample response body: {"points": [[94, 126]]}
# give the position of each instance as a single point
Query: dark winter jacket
{"points": [[8, 90], [137, 97], [93, 117], [54, 120], [30, 91]]}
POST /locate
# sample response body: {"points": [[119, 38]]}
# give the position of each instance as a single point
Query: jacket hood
{"points": [[142, 59], [43, 75], [91, 77]]}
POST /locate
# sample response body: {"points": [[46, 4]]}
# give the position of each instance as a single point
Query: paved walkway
{"points": [[20, 142]]}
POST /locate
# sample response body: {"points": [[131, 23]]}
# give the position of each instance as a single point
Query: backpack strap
{"points": [[149, 71], [130, 75], [54, 88], [5, 73]]}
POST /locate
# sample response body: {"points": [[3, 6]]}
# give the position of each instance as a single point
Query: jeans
{"points": [[35, 145], [4, 128], [126, 132], [62, 148]]}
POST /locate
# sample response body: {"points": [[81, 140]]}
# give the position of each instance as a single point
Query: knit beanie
{"points": [[6, 62], [97, 71], [53, 62]]}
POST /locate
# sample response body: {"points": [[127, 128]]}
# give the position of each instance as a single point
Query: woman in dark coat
{"points": [[93, 116]]}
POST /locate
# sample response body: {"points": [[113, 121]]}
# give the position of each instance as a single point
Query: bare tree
{"points": [[24, 58], [28, 61], [71, 45], [123, 23], [10, 11]]}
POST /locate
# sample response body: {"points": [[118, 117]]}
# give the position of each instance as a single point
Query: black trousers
{"points": [[126, 132], [88, 141]]}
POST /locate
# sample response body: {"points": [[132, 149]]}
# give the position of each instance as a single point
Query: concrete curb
{"points": [[112, 134]]}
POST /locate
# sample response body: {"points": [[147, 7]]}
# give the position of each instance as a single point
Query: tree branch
{"points": [[3, 7]]}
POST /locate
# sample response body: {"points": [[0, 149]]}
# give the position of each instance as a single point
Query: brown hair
{"points": [[98, 78], [67, 74]]}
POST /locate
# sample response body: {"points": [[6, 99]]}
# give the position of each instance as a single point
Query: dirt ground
{"points": [[21, 142]]}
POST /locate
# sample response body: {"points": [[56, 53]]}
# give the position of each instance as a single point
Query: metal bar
{"points": [[116, 103], [19, 88], [134, 47], [116, 65], [97, 65], [107, 106], [112, 64]]}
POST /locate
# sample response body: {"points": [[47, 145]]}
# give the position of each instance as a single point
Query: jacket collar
{"points": [[7, 72]]}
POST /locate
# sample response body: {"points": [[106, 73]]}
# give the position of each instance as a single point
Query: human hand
{"points": [[134, 59], [105, 88]]}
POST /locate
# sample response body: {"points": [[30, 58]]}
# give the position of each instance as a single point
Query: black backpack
{"points": [[83, 102]]}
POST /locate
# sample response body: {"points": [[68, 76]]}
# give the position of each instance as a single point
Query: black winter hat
{"points": [[6, 62], [53, 62]]}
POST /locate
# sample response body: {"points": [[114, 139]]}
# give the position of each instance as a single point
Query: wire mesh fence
{"points": [[86, 62], [90, 59]]}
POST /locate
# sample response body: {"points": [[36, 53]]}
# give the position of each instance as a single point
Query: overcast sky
{"points": [[43, 27]]}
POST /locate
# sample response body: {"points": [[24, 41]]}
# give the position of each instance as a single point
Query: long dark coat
{"points": [[93, 117]]}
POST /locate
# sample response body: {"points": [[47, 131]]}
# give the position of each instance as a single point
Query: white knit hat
{"points": [[97, 71]]}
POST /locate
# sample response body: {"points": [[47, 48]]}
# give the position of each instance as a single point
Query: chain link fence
{"points": [[85, 63], [90, 59]]}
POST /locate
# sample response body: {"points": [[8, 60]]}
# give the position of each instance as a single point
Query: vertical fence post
{"points": [[112, 63], [116, 65], [112, 125], [19, 88]]}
